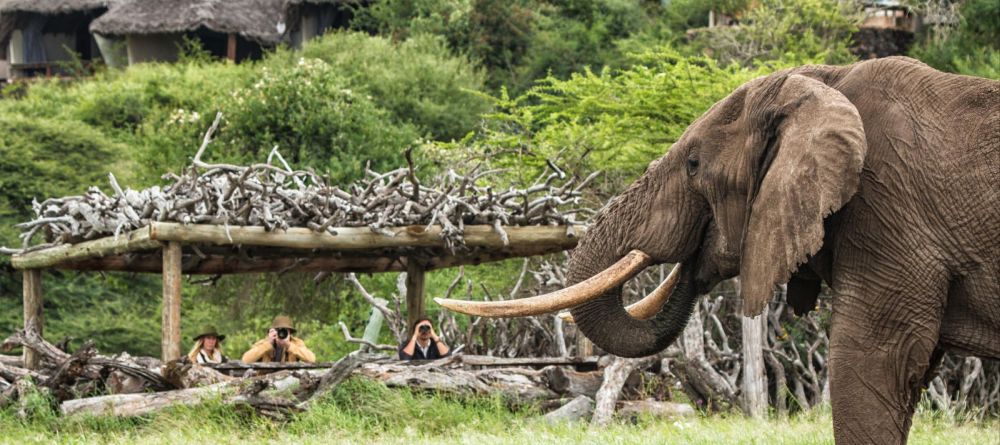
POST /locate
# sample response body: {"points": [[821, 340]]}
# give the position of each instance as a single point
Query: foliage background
{"points": [[589, 84]]}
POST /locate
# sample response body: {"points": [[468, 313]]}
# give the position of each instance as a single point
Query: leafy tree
{"points": [[802, 31], [972, 47], [418, 80]]}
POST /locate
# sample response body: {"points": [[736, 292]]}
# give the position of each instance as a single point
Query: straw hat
{"points": [[282, 321], [209, 330]]}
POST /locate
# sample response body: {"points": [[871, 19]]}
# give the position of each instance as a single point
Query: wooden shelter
{"points": [[175, 249], [40, 37]]}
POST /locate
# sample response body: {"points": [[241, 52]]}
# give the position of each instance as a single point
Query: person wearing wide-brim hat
{"points": [[207, 346], [281, 345]]}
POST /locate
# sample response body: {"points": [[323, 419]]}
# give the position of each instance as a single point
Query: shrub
{"points": [[615, 120], [972, 48], [315, 119], [798, 32], [418, 80]]}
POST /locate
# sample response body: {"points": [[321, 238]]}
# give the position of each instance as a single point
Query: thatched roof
{"points": [[52, 6], [253, 19]]}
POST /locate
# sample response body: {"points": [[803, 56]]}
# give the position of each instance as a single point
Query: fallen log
{"points": [[572, 383], [13, 373], [267, 393], [11, 360], [62, 380], [582, 407], [54, 358], [184, 374], [516, 385]]}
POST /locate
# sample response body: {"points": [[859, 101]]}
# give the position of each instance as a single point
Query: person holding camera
{"points": [[424, 344], [281, 345]]}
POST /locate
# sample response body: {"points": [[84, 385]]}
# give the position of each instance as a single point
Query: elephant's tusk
{"points": [[649, 305], [575, 295]]}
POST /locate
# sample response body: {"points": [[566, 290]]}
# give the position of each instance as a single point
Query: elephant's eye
{"points": [[692, 166]]}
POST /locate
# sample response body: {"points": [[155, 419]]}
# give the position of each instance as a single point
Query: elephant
{"points": [[880, 179]]}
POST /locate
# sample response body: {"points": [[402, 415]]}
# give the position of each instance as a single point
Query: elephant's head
{"points": [[743, 192]]}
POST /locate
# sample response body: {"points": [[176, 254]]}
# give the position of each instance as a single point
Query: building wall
{"points": [[15, 52], [310, 22], [153, 48]]}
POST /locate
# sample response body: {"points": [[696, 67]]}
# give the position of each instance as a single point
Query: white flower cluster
{"points": [[181, 116]]}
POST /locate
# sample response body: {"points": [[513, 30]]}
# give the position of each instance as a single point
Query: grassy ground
{"points": [[368, 413]]}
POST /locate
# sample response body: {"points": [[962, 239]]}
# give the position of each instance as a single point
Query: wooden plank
{"points": [[136, 240], [231, 48], [214, 264], [170, 340], [33, 315], [267, 366], [470, 360], [415, 274], [485, 360], [524, 241], [360, 238]]}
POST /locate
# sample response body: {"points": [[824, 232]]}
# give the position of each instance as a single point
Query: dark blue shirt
{"points": [[432, 352]]}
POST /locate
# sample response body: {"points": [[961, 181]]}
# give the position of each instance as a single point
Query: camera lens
{"points": [[425, 329], [282, 333]]}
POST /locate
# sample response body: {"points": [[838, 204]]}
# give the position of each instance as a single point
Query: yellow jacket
{"points": [[263, 351]]}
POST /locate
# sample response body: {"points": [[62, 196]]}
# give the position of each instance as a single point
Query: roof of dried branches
{"points": [[277, 197], [52, 6], [256, 20]]}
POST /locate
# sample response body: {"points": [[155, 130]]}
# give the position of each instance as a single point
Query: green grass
{"points": [[363, 412]]}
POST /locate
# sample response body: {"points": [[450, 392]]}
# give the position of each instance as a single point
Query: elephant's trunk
{"points": [[605, 321]]}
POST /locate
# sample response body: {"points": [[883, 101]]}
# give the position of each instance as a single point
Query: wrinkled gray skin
{"points": [[882, 179]]}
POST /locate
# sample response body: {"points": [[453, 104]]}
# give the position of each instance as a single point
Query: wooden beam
{"points": [[231, 48], [214, 264], [33, 315], [414, 293], [523, 241], [170, 341], [359, 238], [136, 240]]}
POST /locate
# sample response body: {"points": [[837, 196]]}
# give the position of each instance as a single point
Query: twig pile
{"points": [[278, 197]]}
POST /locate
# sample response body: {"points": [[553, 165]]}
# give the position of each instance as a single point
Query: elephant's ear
{"points": [[809, 168]]}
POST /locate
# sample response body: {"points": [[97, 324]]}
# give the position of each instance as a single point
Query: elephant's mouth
{"points": [[588, 290]]}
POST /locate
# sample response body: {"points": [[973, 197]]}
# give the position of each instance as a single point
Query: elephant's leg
{"points": [[882, 346]]}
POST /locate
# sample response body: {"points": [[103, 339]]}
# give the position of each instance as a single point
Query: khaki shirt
{"points": [[263, 351]]}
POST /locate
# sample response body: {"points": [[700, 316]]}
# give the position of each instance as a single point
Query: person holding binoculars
{"points": [[281, 345], [424, 344]]}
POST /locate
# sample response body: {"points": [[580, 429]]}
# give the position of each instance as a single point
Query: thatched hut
{"points": [[154, 30], [41, 36]]}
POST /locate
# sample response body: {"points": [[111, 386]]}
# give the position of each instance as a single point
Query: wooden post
{"points": [[374, 325], [584, 347], [414, 292], [171, 336], [231, 48], [33, 316], [754, 378]]}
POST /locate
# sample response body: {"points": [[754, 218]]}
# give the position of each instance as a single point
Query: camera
{"points": [[424, 329], [283, 333]]}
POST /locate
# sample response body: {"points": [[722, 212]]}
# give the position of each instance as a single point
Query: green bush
{"points": [[616, 120], [418, 80], [797, 32], [972, 48], [48, 157], [310, 113]]}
